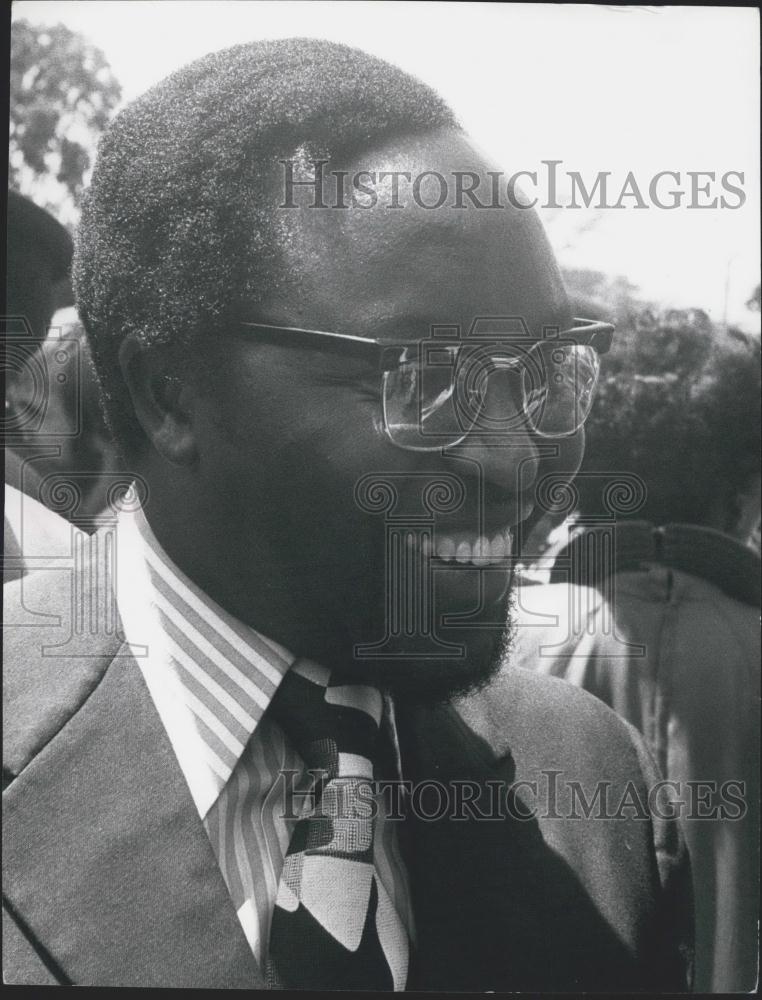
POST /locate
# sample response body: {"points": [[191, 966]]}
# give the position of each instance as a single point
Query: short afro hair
{"points": [[175, 233]]}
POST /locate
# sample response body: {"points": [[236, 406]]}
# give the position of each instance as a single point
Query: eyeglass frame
{"points": [[586, 332]]}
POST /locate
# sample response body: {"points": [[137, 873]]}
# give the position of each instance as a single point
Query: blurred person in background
{"points": [[667, 632], [38, 264], [39, 252], [56, 444], [88, 461]]}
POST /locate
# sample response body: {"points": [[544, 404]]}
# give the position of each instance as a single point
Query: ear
{"points": [[162, 403]]}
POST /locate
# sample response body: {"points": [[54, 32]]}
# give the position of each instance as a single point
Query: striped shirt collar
{"points": [[211, 677]]}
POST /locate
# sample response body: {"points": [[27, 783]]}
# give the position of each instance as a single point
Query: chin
{"points": [[457, 659]]}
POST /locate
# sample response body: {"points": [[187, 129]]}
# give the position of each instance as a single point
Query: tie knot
{"points": [[332, 722]]}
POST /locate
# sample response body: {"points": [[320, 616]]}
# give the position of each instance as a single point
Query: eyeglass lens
{"points": [[437, 397]]}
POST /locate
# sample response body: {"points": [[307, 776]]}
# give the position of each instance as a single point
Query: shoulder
{"points": [[598, 795], [547, 721], [584, 781], [59, 637], [585, 764]]}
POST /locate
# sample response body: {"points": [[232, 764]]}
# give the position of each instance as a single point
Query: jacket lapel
{"points": [[106, 859]]}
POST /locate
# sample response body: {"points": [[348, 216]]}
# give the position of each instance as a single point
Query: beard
{"points": [[430, 679], [382, 630]]}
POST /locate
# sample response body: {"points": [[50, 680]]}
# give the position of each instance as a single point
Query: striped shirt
{"points": [[211, 679]]}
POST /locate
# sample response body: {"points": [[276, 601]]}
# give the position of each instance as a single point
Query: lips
{"points": [[486, 516], [487, 539]]}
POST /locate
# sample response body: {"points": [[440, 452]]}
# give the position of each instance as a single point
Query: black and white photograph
{"points": [[382, 509]]}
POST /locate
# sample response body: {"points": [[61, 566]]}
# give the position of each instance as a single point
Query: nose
{"points": [[501, 442]]}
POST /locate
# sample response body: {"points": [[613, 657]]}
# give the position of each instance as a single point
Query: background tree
{"points": [[650, 339], [62, 95], [677, 403]]}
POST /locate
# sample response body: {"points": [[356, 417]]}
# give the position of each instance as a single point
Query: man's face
{"points": [[288, 435]]}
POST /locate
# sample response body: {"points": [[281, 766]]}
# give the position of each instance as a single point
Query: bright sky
{"points": [[615, 88]]}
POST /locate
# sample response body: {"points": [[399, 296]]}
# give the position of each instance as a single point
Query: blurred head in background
{"points": [[39, 253], [39, 260]]}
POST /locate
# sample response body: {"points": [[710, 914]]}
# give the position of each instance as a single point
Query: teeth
{"points": [[463, 553], [446, 549], [479, 551], [497, 548]]}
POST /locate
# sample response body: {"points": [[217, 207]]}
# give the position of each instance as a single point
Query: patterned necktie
{"points": [[334, 925]]}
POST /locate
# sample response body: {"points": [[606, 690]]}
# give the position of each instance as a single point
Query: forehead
{"points": [[364, 269]]}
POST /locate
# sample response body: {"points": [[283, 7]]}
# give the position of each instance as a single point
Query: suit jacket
{"points": [[109, 877]]}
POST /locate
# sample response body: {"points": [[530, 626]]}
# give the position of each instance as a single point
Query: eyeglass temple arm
{"points": [[313, 333], [599, 334]]}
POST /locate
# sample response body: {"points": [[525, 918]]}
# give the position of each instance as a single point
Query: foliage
{"points": [[62, 94], [677, 404]]}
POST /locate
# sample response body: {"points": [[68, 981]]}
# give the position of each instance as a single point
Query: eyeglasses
{"points": [[433, 391]]}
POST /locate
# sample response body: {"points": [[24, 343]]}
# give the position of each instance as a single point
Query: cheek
{"points": [[565, 465], [572, 452], [576, 450], [292, 464]]}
